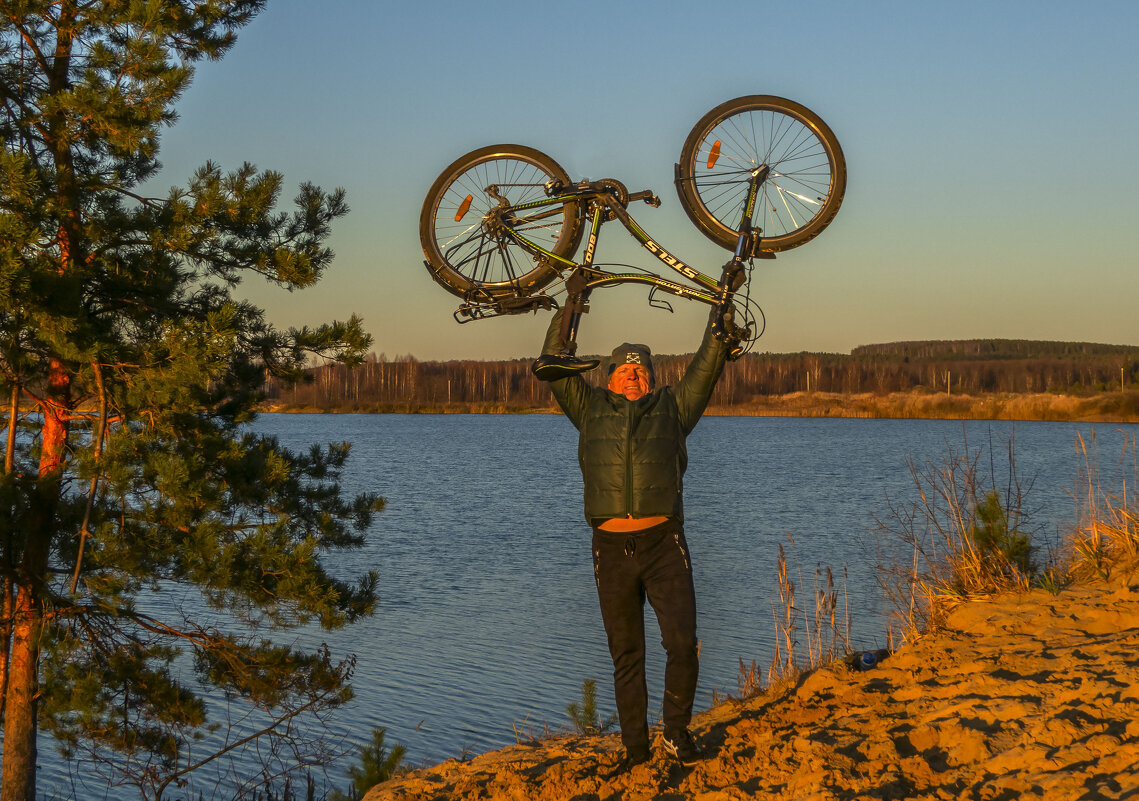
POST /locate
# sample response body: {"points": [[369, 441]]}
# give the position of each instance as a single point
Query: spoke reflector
{"points": [[464, 207], [714, 154]]}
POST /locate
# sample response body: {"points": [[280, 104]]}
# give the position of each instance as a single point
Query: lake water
{"points": [[488, 620]]}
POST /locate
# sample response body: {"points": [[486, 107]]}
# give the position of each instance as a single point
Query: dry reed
{"points": [[827, 640]]}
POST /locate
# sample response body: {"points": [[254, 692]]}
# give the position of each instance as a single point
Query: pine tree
{"points": [[129, 368]]}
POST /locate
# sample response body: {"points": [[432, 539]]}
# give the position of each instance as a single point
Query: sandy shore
{"points": [[1032, 696]]}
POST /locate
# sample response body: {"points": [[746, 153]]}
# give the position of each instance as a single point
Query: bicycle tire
{"points": [[464, 239], [808, 172]]}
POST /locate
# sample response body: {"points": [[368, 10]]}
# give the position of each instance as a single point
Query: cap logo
{"points": [[632, 357]]}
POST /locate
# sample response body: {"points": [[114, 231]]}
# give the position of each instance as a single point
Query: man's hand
{"points": [[725, 329]]}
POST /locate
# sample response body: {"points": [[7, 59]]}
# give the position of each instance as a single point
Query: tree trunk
{"points": [[6, 610], [6, 587], [18, 782], [18, 778]]}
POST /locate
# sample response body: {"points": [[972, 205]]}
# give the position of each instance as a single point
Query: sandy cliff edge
{"points": [[1028, 696]]}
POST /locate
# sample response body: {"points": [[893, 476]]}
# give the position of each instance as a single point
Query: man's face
{"points": [[631, 380]]}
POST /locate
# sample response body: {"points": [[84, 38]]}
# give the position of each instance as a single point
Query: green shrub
{"points": [[377, 764], [584, 716], [989, 532]]}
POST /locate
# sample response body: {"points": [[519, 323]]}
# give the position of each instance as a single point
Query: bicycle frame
{"points": [[604, 201]]}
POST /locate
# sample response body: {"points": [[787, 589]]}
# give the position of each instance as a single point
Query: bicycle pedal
{"points": [[528, 303], [553, 368]]}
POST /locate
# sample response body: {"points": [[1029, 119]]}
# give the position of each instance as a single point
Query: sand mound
{"points": [[1031, 696]]}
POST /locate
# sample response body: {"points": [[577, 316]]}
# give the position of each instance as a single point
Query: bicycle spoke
{"points": [[790, 213], [508, 263], [446, 244], [802, 198], [471, 256]]}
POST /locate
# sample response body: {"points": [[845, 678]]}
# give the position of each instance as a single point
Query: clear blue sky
{"points": [[991, 146]]}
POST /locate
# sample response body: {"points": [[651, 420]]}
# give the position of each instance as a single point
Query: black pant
{"points": [[628, 568]]}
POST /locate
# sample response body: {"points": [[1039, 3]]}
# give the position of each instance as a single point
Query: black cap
{"points": [[629, 353]]}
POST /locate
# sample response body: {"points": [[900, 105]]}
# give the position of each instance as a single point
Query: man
{"points": [[633, 456]]}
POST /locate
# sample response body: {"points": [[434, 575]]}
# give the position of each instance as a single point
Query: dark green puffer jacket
{"points": [[633, 453]]}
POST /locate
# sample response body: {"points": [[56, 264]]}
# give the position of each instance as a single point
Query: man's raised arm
{"points": [[571, 392], [694, 389]]}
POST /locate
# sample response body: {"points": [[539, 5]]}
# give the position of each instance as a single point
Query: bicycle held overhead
{"points": [[757, 175]]}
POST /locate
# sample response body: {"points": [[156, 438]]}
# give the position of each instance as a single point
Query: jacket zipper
{"points": [[628, 459]]}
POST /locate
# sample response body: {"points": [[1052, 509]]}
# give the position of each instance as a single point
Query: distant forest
{"points": [[968, 367]]}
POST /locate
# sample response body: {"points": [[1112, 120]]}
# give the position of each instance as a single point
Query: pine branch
{"points": [[83, 528], [239, 743]]}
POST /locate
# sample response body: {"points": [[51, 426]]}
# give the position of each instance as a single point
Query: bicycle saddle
{"points": [[549, 367]]}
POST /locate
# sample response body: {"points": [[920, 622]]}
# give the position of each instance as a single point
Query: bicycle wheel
{"points": [[802, 191], [464, 228]]}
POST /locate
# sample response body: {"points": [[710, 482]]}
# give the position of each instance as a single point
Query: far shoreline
{"points": [[1104, 407]]}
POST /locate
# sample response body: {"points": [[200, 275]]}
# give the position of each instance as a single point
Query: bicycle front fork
{"points": [[732, 279]]}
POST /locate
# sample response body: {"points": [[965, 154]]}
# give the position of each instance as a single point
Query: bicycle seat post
{"points": [[553, 367]]}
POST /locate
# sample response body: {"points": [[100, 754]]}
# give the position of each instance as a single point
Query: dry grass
{"points": [[965, 536], [1107, 407], [968, 535], [1106, 536], [1104, 407]]}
